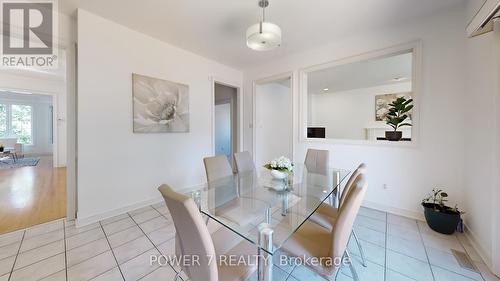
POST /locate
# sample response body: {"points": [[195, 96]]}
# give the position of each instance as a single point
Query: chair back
{"points": [[217, 167], [342, 229], [317, 161], [192, 235], [244, 162], [361, 169]]}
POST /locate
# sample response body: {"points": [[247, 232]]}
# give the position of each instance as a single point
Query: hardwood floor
{"points": [[31, 195]]}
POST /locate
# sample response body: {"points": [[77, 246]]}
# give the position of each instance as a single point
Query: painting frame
{"points": [[382, 102], [159, 105]]}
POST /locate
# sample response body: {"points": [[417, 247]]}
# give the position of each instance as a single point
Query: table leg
{"points": [[284, 205], [264, 259]]}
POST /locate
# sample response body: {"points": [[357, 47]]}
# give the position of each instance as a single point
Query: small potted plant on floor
{"points": [[398, 113], [1, 148], [439, 217]]}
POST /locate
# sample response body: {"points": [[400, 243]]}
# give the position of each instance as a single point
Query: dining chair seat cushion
{"points": [[239, 271], [311, 240], [325, 216]]}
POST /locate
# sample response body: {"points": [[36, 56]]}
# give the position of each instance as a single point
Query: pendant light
{"points": [[263, 36]]}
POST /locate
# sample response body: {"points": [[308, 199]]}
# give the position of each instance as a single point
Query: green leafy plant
{"points": [[437, 200], [398, 113]]}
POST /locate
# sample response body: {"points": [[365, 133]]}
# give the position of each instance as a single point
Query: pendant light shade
{"points": [[264, 35]]}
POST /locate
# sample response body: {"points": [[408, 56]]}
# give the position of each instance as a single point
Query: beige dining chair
{"points": [[312, 241], [326, 214], [243, 161], [194, 239], [317, 160], [217, 167]]}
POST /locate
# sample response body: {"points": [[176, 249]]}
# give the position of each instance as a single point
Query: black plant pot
{"points": [[393, 135], [443, 221], [1, 148]]}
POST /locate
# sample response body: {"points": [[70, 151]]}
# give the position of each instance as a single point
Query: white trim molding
{"points": [[415, 47]]}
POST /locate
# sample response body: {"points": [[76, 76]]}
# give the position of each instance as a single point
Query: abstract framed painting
{"points": [[159, 106]]}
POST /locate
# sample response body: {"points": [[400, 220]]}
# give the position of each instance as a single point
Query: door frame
{"points": [[239, 115], [265, 80]]}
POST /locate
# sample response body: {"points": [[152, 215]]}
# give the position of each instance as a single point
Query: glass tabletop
{"points": [[245, 201]]}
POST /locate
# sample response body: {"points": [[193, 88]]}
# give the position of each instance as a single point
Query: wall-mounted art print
{"points": [[160, 106], [382, 104]]}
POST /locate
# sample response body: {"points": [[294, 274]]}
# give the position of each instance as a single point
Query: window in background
{"points": [[21, 123], [3, 120]]}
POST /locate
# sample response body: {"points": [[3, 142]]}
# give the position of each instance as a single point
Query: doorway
{"points": [[273, 133], [225, 120]]}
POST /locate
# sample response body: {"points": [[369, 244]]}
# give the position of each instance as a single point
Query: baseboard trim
{"points": [[469, 234], [79, 222], [394, 210]]}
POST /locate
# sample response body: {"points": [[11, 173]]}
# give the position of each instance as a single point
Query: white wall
{"points": [[118, 169], [41, 122], [408, 172], [347, 114], [223, 129], [273, 122]]}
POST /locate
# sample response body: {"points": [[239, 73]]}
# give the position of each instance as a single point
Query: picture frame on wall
{"points": [[159, 106]]}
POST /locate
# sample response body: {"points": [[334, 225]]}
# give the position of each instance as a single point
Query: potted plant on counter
{"points": [[439, 216], [398, 113]]}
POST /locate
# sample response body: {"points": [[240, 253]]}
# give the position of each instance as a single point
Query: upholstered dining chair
{"points": [[217, 167], [243, 161], [314, 241], [317, 160], [326, 214], [194, 239]]}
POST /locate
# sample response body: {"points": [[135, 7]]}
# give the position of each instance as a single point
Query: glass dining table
{"points": [[267, 211]]}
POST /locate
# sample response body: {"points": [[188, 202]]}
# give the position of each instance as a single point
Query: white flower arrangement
{"points": [[282, 164]]}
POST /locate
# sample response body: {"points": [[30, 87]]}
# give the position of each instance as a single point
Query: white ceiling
{"points": [[216, 28], [361, 74]]}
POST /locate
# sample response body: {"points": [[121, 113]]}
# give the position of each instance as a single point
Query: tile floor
{"points": [[397, 249]]}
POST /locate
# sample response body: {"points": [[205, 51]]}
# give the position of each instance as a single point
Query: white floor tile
{"points": [[139, 266], [370, 235], [6, 265], [84, 238], [403, 232], [441, 274], [73, 230], [42, 239], [92, 267], [396, 276], [140, 210], [115, 218], [162, 273], [402, 221], [373, 253], [37, 254], [44, 228], [111, 275], [40, 269], [374, 214], [408, 266], [5, 277], [485, 272], [58, 276], [154, 224], [11, 237], [167, 248], [371, 223], [410, 248], [443, 244], [163, 210], [448, 261], [372, 272], [87, 251], [9, 250], [303, 273], [117, 226], [163, 234], [132, 249], [145, 216], [125, 236]]}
